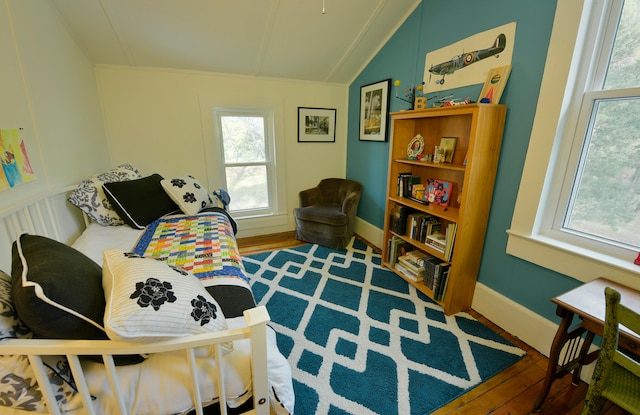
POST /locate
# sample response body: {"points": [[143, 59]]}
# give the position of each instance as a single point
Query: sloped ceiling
{"points": [[290, 39]]}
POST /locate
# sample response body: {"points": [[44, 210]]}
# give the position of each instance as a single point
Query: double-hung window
{"points": [[599, 203], [246, 149], [588, 202]]}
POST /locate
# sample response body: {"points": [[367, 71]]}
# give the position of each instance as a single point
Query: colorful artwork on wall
{"points": [[16, 168]]}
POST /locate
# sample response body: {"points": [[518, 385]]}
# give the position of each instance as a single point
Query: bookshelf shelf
{"points": [[445, 166], [478, 129]]}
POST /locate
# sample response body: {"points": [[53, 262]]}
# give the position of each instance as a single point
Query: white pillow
{"points": [[187, 193], [148, 300]]}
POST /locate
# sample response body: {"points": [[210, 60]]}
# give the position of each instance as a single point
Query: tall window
{"points": [[598, 203], [245, 138]]}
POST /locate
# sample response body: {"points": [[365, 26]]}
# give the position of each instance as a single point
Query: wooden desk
{"points": [[588, 303]]}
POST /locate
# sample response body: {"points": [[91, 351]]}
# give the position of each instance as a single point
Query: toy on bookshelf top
{"points": [[494, 85]]}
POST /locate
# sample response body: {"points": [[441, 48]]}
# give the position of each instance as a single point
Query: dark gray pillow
{"points": [[56, 290], [140, 202]]}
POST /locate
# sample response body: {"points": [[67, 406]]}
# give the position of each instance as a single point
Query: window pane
{"points": [[248, 188], [243, 138], [606, 195], [624, 66]]}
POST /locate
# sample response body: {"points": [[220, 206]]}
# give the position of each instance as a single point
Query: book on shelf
{"points": [[430, 264], [411, 266], [417, 191], [437, 240], [439, 276], [430, 226], [450, 237], [415, 277], [441, 289], [400, 183], [405, 184], [418, 257], [415, 225], [398, 219], [438, 192], [397, 247]]}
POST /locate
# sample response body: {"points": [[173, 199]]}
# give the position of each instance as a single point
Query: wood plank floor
{"points": [[511, 392]]}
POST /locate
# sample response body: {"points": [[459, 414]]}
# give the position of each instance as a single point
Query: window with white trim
{"points": [[598, 203], [245, 139], [579, 191]]}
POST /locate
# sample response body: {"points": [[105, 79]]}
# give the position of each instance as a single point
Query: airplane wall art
{"points": [[468, 61]]}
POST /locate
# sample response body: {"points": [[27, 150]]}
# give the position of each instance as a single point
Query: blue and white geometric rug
{"points": [[361, 341]]}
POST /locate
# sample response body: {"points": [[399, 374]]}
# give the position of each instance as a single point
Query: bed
{"points": [[175, 302]]}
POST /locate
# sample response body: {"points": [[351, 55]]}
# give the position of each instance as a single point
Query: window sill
{"points": [[262, 221], [579, 263]]}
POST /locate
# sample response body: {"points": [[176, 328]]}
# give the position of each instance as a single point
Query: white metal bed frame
{"points": [[39, 216]]}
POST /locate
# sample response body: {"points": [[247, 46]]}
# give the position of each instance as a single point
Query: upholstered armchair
{"points": [[327, 213]]}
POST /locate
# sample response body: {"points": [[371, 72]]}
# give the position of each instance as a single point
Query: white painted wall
{"points": [[153, 118], [48, 89]]}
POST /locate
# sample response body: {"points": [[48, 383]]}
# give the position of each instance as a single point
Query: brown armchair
{"points": [[327, 213]]}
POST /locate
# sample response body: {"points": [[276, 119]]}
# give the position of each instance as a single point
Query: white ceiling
{"points": [[268, 38]]}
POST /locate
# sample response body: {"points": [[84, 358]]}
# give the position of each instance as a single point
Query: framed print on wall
{"points": [[316, 125], [374, 111]]}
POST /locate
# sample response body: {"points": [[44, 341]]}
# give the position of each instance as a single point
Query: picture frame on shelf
{"points": [[374, 111], [415, 147], [448, 145], [316, 125]]}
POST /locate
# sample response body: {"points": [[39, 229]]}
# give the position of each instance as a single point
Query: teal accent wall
{"points": [[434, 25]]}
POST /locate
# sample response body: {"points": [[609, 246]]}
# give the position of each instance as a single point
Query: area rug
{"points": [[361, 341]]}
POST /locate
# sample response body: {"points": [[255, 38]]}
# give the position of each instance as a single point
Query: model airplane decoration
{"points": [[466, 59]]}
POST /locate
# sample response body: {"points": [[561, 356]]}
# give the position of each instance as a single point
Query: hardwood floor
{"points": [[511, 392]]}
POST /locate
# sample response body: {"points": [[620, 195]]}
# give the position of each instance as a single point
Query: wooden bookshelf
{"points": [[478, 129]]}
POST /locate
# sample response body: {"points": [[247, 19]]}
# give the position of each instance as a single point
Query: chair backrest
{"points": [[616, 315], [336, 190]]}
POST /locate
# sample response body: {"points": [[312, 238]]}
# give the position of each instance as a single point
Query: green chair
{"points": [[616, 377]]}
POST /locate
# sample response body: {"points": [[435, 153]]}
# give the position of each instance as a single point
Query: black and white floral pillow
{"points": [[188, 194], [148, 300], [90, 197], [18, 385]]}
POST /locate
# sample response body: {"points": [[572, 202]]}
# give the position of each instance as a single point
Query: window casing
{"points": [[245, 139], [598, 201], [573, 86]]}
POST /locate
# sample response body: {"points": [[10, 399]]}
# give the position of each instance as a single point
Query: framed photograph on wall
{"points": [[374, 111], [316, 125]]}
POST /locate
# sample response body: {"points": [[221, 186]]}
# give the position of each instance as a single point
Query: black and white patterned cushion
{"points": [[188, 194], [90, 198]]}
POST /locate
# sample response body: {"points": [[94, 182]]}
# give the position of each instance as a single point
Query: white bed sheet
{"points": [[96, 238]]}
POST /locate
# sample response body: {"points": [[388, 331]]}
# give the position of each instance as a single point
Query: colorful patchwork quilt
{"points": [[202, 244]]}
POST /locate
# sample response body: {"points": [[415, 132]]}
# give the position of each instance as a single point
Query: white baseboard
{"points": [[519, 321], [370, 233]]}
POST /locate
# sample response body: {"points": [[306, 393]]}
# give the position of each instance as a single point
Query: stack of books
{"points": [[412, 264], [443, 242]]}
